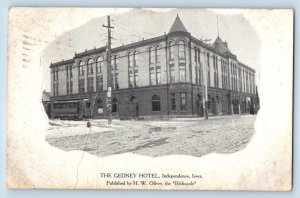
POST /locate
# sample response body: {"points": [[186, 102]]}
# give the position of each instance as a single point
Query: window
{"points": [[116, 72], [57, 74], [172, 73], [171, 53], [181, 50], [215, 64], [195, 56], [114, 107], [157, 54], [99, 83], [198, 68], [133, 75], [98, 65], [71, 87], [67, 71], [240, 79], [130, 79], [173, 101], [99, 103], [151, 56], [117, 81], [171, 62], [81, 68], [208, 102], [152, 76], [158, 75], [136, 69], [57, 89], [158, 68], [90, 84], [130, 60], [183, 105], [81, 86], [208, 71], [182, 73], [155, 103], [90, 66], [154, 66], [68, 88], [71, 71], [182, 61]]}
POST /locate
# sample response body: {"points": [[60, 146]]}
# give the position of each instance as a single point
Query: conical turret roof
{"points": [[177, 26], [221, 46]]}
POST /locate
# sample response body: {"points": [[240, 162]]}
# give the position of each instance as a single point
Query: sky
{"points": [[135, 24]]}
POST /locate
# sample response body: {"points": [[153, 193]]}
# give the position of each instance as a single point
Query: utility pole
{"points": [[108, 56]]}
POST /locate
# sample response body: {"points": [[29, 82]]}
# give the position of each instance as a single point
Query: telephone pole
{"points": [[108, 56]]}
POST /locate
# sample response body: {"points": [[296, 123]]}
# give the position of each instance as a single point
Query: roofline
{"points": [[63, 62], [246, 66], [145, 42]]}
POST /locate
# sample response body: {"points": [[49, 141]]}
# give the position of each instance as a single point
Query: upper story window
{"points": [[171, 52], [216, 76], [157, 54], [55, 74], [208, 70], [115, 72], [71, 71], [151, 56], [136, 70], [67, 71], [90, 66], [98, 64], [133, 76], [130, 60], [81, 68], [181, 50]]}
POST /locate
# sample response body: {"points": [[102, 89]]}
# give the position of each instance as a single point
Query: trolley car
{"points": [[73, 110]]}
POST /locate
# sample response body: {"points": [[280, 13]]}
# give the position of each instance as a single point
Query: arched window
{"points": [[98, 65], [71, 71], [130, 59], [81, 68], [208, 70], [114, 103], [158, 68], [116, 72], [181, 50], [195, 56], [67, 71], [157, 54], [151, 56], [171, 46], [155, 103], [171, 62], [130, 69], [136, 69], [152, 66], [90, 66], [135, 58], [181, 61]]}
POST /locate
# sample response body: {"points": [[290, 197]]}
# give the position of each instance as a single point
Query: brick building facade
{"points": [[172, 75]]}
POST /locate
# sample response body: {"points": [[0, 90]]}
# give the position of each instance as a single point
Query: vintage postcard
{"points": [[150, 98]]}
